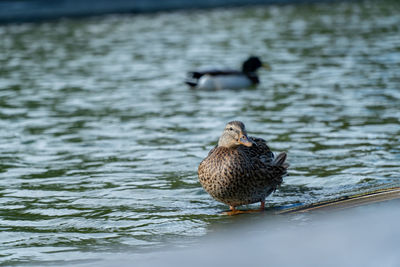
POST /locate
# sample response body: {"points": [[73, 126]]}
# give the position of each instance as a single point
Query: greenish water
{"points": [[100, 140]]}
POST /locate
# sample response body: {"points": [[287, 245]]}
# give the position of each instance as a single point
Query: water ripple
{"points": [[100, 140]]}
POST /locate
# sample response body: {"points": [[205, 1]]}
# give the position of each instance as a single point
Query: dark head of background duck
{"points": [[251, 65]]}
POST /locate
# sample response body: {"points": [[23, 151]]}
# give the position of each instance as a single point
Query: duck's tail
{"points": [[280, 160], [192, 78], [191, 82], [280, 168]]}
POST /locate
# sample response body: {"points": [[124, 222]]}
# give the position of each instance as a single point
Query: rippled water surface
{"points": [[100, 140]]}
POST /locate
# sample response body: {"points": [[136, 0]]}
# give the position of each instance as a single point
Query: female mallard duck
{"points": [[227, 79], [241, 170]]}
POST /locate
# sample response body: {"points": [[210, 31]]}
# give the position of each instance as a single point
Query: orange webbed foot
{"points": [[234, 211]]}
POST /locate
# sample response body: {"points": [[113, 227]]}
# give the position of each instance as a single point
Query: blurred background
{"points": [[100, 139]]}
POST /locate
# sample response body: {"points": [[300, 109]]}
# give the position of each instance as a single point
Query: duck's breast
{"points": [[219, 82], [229, 177]]}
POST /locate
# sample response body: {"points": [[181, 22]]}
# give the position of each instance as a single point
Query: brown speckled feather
{"points": [[242, 175]]}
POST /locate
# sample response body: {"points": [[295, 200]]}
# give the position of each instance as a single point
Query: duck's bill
{"points": [[266, 66], [245, 141]]}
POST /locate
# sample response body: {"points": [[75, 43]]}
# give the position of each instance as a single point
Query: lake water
{"points": [[100, 139]]}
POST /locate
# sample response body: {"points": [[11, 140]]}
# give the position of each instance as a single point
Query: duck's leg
{"points": [[262, 206], [234, 211]]}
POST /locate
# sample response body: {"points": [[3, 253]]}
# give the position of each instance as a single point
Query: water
{"points": [[100, 140]]}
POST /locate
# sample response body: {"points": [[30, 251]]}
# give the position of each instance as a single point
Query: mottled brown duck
{"points": [[241, 169]]}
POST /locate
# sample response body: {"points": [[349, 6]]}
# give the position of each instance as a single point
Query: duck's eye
{"points": [[230, 129]]}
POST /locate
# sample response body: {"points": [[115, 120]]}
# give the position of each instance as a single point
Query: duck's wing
{"points": [[271, 175], [266, 168], [259, 151], [193, 77], [212, 72]]}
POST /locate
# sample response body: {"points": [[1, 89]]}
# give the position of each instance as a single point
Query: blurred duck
{"points": [[217, 79], [241, 170]]}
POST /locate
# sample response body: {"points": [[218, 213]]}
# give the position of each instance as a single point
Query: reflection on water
{"points": [[100, 140]]}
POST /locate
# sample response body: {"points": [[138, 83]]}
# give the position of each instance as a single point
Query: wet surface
{"points": [[100, 140]]}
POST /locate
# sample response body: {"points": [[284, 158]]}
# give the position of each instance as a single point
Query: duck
{"points": [[241, 169], [217, 79]]}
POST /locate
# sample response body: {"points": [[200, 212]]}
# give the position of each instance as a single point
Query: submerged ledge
{"points": [[351, 201], [365, 236], [39, 10]]}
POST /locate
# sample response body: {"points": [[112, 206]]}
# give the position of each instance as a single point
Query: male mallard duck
{"points": [[227, 79], [241, 170]]}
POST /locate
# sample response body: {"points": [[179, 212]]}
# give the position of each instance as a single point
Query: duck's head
{"points": [[234, 134], [252, 64]]}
